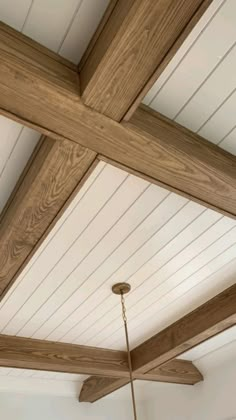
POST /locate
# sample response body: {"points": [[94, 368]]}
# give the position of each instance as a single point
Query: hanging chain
{"points": [[123, 308], [129, 355]]}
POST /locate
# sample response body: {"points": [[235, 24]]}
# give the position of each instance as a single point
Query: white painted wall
{"points": [[30, 407], [212, 399]]}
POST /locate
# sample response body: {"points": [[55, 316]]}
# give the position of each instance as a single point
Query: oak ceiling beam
{"points": [[213, 317], [157, 355], [27, 353], [176, 371], [150, 145], [53, 174], [132, 46]]}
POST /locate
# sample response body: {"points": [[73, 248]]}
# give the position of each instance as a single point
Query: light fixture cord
{"points": [[129, 355]]}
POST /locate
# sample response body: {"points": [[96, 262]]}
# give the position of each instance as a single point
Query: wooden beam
{"points": [[170, 155], [51, 177], [95, 387], [132, 42], [149, 144], [26, 353], [156, 356], [213, 317], [176, 371]]}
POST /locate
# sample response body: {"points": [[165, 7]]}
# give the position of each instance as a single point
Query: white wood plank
{"points": [[183, 51], [99, 168], [221, 123], [205, 55], [211, 94], [24, 145], [27, 373], [118, 228], [169, 282], [95, 293], [9, 134], [90, 239], [223, 356], [212, 279], [229, 143], [4, 371], [210, 345], [128, 249], [14, 14], [49, 20], [86, 208], [15, 372], [164, 263], [82, 29], [102, 261], [144, 254]]}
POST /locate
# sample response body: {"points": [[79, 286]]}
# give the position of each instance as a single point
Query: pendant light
{"points": [[122, 289]]}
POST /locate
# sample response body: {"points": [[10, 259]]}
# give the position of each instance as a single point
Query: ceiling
{"points": [[198, 88], [74, 23], [175, 253], [211, 360]]}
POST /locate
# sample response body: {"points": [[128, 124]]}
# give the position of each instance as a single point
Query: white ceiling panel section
{"points": [[63, 26], [16, 145], [218, 341], [198, 87], [175, 253]]}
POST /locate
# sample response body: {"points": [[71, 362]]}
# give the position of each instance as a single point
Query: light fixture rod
{"points": [[121, 289]]}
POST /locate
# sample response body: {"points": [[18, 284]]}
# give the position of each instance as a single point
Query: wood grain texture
{"points": [[175, 371], [168, 57], [155, 358], [51, 177], [213, 317], [26, 353], [95, 387], [25, 43], [49, 65], [131, 46], [187, 160], [149, 144], [97, 33]]}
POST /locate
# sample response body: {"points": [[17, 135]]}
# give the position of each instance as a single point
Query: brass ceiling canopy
{"points": [[122, 289]]}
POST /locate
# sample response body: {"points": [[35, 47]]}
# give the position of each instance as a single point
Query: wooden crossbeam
{"points": [[26, 353], [207, 320], [115, 72], [149, 144], [53, 174], [132, 46], [215, 316], [176, 371]]}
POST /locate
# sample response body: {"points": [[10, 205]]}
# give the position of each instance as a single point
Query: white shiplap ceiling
{"points": [[64, 26], [211, 345], [120, 227], [175, 253], [198, 88]]}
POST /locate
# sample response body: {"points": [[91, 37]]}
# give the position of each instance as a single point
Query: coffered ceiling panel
{"points": [[198, 87], [63, 26], [175, 253]]}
